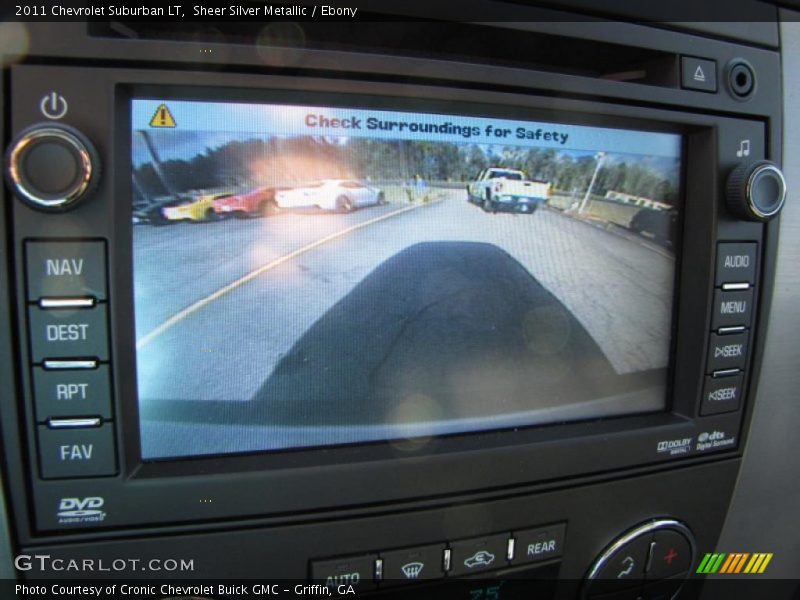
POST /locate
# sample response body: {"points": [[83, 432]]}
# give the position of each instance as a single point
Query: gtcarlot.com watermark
{"points": [[44, 563]]}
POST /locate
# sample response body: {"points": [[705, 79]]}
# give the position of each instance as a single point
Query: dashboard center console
{"points": [[368, 327]]}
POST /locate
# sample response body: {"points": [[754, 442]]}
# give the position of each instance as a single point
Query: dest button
{"points": [[413, 564], [356, 571], [77, 452], [69, 333]]}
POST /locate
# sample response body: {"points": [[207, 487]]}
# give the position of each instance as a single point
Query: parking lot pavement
{"points": [[616, 290]]}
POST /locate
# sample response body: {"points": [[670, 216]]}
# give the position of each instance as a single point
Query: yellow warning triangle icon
{"points": [[162, 117]]}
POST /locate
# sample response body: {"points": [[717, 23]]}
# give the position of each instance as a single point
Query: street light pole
{"points": [[599, 156]]}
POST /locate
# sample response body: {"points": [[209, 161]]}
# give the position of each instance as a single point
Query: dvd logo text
{"points": [[81, 510]]}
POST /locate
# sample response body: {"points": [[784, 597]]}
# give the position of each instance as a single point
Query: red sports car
{"points": [[259, 202]]}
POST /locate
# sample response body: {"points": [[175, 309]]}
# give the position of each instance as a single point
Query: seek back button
{"points": [[721, 395]]}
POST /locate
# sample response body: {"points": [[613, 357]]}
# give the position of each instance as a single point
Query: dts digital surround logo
{"points": [[734, 563]]}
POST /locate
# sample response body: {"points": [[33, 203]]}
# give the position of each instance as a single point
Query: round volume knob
{"points": [[756, 191], [51, 167]]}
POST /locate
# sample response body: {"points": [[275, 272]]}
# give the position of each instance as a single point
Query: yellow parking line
{"points": [[192, 308]]}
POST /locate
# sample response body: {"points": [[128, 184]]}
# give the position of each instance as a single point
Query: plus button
{"points": [[670, 556]]}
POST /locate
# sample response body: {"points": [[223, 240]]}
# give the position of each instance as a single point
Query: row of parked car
{"points": [[335, 195]]}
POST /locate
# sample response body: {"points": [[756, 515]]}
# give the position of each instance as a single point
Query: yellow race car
{"points": [[197, 208]]}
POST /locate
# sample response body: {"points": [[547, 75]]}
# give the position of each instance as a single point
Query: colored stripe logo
{"points": [[734, 563]]}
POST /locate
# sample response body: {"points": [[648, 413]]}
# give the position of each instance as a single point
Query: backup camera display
{"points": [[309, 276]]}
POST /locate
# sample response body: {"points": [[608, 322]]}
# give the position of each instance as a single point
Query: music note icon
{"points": [[744, 149]]}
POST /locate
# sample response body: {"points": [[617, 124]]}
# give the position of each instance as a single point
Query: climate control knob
{"points": [[756, 191], [51, 167], [656, 555]]}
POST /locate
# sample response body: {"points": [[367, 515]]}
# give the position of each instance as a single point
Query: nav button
{"points": [[66, 453], [66, 270]]}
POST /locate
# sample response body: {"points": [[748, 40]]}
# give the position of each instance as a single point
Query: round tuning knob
{"points": [[51, 167], [756, 191]]}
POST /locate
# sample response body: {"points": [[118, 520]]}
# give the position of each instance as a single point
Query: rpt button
{"points": [[72, 393], [77, 452], [69, 333], [66, 269]]}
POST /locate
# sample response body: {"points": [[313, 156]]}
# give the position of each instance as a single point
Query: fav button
{"points": [[68, 453], [727, 351], [413, 564], [732, 308], [538, 544], [721, 395], [357, 571], [69, 333], [72, 393], [66, 269], [479, 554]]}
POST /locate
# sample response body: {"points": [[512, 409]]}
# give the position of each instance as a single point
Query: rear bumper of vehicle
{"points": [[517, 205], [225, 209]]}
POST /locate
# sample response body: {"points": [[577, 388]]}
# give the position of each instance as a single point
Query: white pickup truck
{"points": [[507, 190]]}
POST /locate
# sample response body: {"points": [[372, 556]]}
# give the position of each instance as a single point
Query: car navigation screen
{"points": [[308, 276]]}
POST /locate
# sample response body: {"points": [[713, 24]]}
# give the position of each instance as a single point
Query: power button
{"points": [[52, 166]]}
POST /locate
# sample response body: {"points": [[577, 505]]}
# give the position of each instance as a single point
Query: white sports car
{"points": [[340, 195]]}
